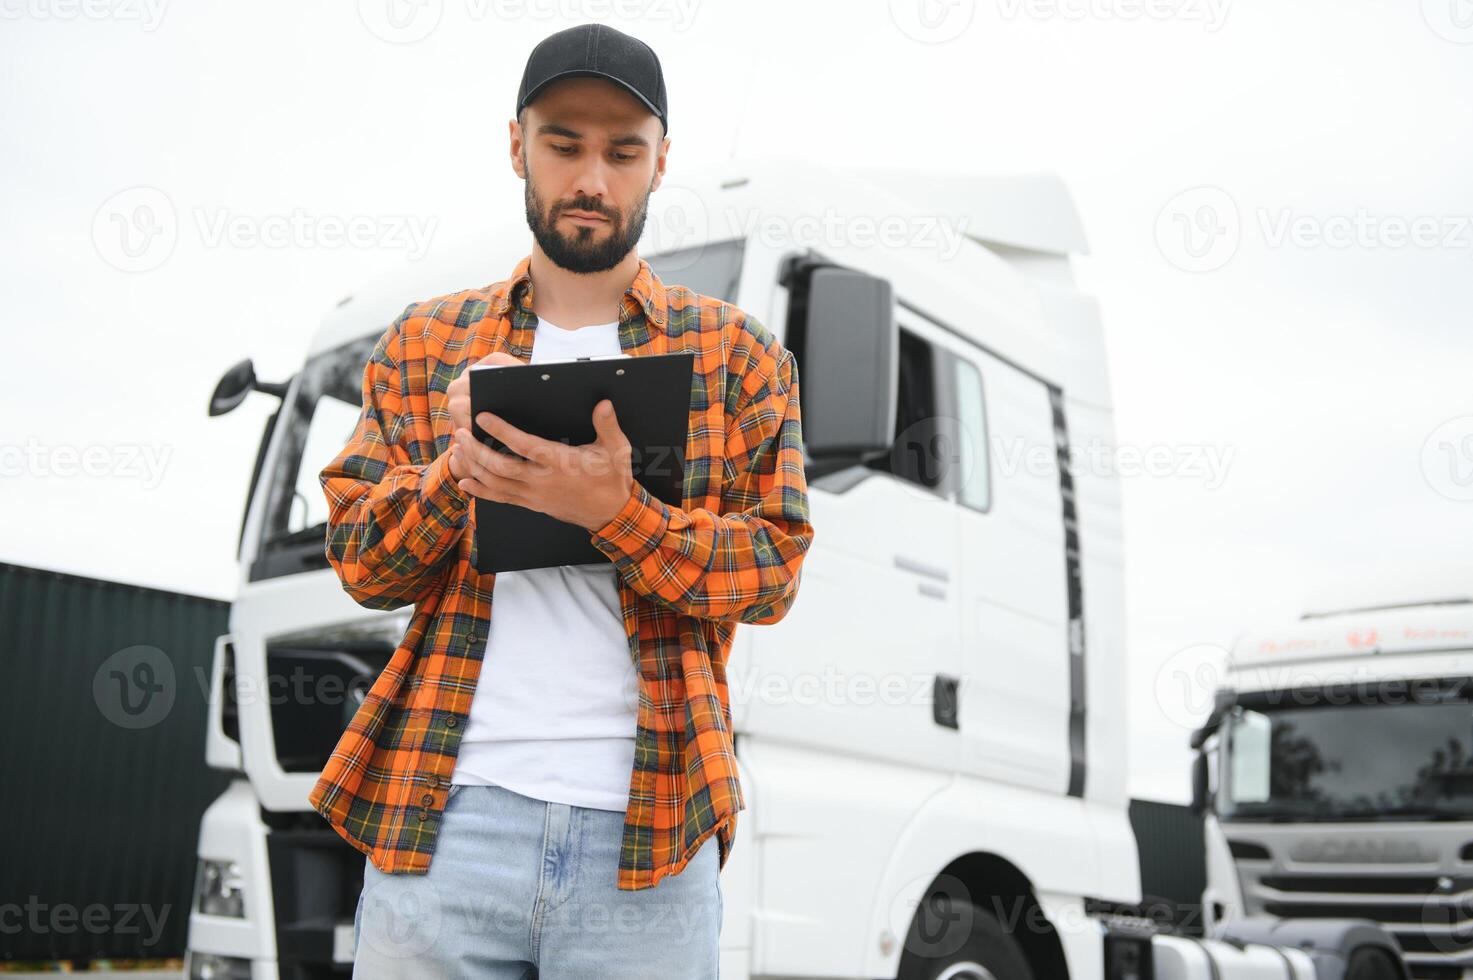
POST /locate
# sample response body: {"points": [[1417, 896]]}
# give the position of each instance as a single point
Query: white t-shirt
{"points": [[556, 706]]}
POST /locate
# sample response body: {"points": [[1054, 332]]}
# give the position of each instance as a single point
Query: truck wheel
{"points": [[1368, 963], [955, 940]]}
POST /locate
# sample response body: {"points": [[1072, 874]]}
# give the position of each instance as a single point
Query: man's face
{"points": [[590, 153]]}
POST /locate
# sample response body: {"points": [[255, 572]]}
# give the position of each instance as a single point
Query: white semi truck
{"points": [[1336, 775], [932, 741]]}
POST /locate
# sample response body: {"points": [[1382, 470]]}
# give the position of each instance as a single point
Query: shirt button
{"points": [[427, 799], [432, 780], [473, 638], [451, 722], [424, 815]]}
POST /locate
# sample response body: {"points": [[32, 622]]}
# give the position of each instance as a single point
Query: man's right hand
{"points": [[460, 402]]}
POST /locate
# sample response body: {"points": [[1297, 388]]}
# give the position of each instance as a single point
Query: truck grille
{"points": [[1431, 916], [314, 692]]}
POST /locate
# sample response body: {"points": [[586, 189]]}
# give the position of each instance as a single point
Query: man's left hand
{"points": [[583, 485]]}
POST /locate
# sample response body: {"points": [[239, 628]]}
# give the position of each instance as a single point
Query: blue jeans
{"points": [[524, 889]]}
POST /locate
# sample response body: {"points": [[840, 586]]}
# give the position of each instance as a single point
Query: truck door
{"points": [[1015, 696], [855, 664]]}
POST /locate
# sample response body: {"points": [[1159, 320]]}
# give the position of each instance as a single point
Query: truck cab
{"points": [[931, 742], [1337, 775]]}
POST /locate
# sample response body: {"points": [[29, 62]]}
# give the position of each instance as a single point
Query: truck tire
{"points": [[954, 940], [1370, 963]]}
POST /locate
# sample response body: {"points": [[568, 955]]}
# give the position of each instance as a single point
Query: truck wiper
{"points": [[317, 532], [1275, 816], [1427, 813]]}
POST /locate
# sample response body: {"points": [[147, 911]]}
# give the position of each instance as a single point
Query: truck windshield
{"points": [[1400, 752], [315, 425], [323, 410]]}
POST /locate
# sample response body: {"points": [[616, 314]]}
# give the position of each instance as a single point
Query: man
{"points": [[567, 761]]}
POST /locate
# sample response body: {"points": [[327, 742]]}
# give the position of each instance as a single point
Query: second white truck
{"points": [[1337, 775]]}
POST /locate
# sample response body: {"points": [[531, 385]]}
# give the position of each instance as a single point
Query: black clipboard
{"points": [[554, 400]]}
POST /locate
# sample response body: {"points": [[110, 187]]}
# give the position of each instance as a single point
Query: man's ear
{"points": [[660, 164], [516, 148]]}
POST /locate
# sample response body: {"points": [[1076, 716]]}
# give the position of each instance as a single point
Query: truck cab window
{"points": [[917, 454], [316, 422], [712, 269], [974, 483]]}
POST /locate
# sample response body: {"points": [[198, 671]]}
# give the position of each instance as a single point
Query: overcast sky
{"points": [[1277, 199]]}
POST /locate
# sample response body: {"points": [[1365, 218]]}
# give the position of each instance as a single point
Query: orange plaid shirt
{"points": [[401, 531]]}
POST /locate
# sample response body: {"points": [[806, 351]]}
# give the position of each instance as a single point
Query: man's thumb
{"points": [[605, 423]]}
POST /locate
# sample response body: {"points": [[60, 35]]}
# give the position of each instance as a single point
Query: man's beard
{"points": [[580, 252]]}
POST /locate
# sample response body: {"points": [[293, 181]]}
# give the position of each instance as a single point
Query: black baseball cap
{"points": [[597, 51]]}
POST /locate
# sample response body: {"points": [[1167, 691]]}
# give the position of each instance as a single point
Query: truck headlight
{"points": [[221, 890], [207, 966], [1128, 947], [1128, 958]]}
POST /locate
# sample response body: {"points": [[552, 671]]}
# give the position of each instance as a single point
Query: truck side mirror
{"points": [[849, 374], [238, 382], [233, 387], [1200, 789]]}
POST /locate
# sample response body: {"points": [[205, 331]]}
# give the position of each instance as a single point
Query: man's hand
{"points": [[583, 485], [460, 392]]}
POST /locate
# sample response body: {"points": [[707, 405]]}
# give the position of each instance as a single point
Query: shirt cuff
{"points": [[636, 530], [439, 486]]}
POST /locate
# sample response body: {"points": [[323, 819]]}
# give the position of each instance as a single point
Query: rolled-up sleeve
{"points": [[394, 515], [743, 564]]}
